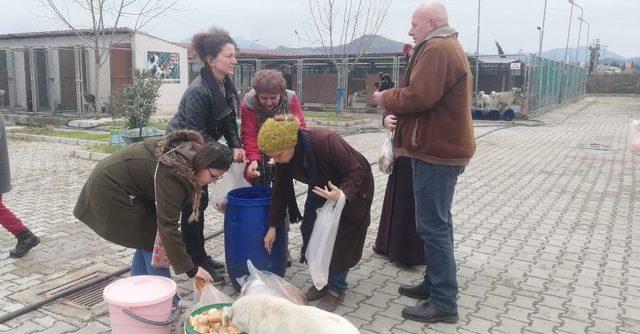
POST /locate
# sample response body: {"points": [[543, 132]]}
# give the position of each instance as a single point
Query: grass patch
{"points": [[120, 124], [330, 116], [64, 134], [103, 148]]}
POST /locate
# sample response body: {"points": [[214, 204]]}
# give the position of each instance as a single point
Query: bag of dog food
{"points": [[385, 158]]}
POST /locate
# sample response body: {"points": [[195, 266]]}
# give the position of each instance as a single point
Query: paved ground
{"points": [[545, 240]]}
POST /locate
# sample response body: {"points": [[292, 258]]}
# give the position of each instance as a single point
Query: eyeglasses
{"points": [[214, 177]]}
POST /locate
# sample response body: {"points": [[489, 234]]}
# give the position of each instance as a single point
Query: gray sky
{"points": [[511, 22]]}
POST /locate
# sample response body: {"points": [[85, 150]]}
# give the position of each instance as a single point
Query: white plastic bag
{"points": [[265, 282], [208, 295], [323, 238], [233, 179], [385, 159], [635, 143]]}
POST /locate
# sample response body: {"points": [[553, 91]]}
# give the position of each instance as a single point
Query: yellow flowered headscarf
{"points": [[278, 135]]}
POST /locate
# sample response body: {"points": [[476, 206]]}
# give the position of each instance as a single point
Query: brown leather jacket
{"points": [[434, 108]]}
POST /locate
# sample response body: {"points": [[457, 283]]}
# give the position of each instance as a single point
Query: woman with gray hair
{"points": [[268, 97]]}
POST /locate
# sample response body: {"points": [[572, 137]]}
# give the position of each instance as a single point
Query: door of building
{"points": [[68, 92], [120, 59]]}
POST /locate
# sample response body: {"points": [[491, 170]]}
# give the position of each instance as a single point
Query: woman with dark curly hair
{"points": [[208, 106]]}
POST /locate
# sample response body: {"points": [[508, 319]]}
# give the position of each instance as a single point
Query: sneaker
{"points": [[26, 241]]}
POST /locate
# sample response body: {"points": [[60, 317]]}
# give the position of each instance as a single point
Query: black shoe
{"points": [[26, 241], [414, 291], [213, 264], [315, 294], [425, 312]]}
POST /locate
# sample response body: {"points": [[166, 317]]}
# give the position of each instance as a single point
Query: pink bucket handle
{"points": [[172, 318]]}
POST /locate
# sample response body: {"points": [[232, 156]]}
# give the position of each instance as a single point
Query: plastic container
{"points": [[246, 222], [137, 301]]}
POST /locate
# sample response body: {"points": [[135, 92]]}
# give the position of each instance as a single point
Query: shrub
{"points": [[137, 101]]}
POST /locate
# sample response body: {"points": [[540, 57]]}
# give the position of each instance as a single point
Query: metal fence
{"points": [[551, 82]]}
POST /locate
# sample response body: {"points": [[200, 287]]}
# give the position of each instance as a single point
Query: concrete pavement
{"points": [[544, 228]]}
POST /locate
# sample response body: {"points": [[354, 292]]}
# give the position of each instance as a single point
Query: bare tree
{"points": [[335, 25], [102, 24]]}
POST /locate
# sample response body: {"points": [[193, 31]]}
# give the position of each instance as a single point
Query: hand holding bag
{"points": [[323, 238], [385, 158]]}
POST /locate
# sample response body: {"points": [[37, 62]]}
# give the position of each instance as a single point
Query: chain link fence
{"points": [[551, 82]]}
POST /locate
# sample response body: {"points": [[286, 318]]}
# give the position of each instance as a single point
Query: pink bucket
{"points": [[140, 304]]}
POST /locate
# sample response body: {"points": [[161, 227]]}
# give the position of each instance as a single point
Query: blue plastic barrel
{"points": [[246, 222], [508, 115], [493, 115], [476, 113]]}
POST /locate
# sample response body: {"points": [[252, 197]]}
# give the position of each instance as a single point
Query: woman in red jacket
{"points": [[268, 98]]}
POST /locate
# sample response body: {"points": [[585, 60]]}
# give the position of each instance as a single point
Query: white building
{"points": [[49, 72]]}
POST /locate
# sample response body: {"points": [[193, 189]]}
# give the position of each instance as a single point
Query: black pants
{"points": [[193, 232]]}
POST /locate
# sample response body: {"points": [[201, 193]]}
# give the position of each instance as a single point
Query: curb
{"points": [[82, 154], [336, 123], [49, 139]]}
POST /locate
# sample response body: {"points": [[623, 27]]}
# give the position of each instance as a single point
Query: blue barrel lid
{"points": [[250, 196]]}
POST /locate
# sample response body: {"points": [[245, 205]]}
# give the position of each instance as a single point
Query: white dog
{"points": [[265, 314]]}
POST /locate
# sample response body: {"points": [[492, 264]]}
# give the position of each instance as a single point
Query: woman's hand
{"points": [[252, 170], [390, 122], [332, 195], [203, 274], [269, 239], [238, 155]]}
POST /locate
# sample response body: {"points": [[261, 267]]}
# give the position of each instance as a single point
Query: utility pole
{"points": [[579, 31], [477, 55], [544, 17], [588, 41]]}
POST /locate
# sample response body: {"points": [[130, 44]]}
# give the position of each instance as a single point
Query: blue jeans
{"points": [[338, 282], [433, 188], [141, 265]]}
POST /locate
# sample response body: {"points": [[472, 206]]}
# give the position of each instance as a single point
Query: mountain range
{"points": [[381, 44]]}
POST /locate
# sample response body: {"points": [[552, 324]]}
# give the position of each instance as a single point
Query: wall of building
{"points": [[172, 89], [620, 83], [52, 44]]}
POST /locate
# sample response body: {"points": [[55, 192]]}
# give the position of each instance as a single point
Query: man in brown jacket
{"points": [[435, 130]]}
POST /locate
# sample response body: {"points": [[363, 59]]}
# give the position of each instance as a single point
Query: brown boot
{"points": [[331, 301], [315, 294], [26, 241]]}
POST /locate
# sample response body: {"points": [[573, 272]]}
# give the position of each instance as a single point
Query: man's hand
{"points": [[252, 170], [332, 195], [377, 96], [390, 122], [238, 155], [269, 239]]}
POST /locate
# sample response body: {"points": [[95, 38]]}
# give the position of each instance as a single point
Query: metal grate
{"points": [[85, 298]]}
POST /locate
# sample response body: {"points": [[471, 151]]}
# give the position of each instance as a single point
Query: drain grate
{"points": [[85, 298]]}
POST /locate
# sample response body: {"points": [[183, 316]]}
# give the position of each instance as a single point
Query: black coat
{"points": [[197, 112]]}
